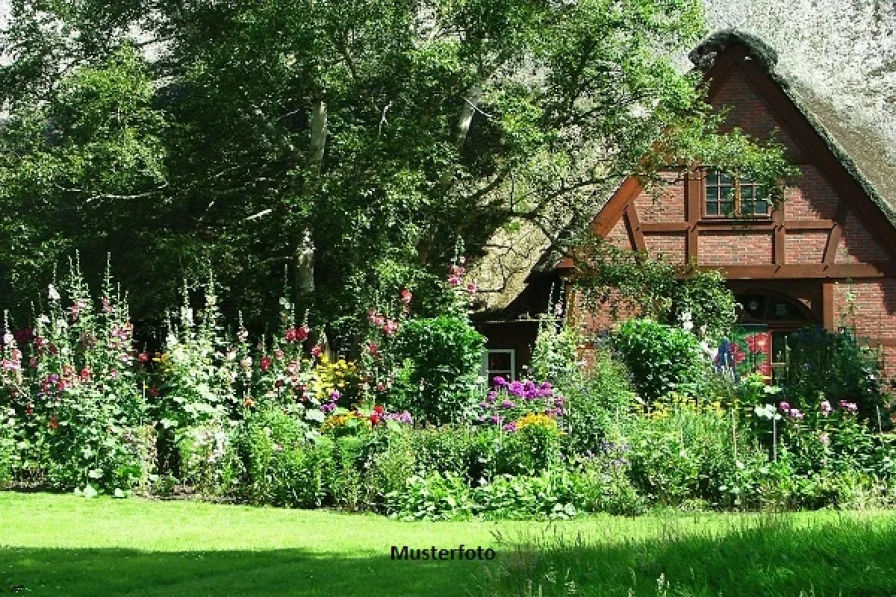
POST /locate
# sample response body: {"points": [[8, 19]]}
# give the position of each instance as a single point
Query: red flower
{"points": [[374, 418], [85, 375], [143, 357], [380, 387], [54, 422], [379, 409], [315, 352], [737, 354], [265, 363], [390, 327], [757, 343], [373, 348]]}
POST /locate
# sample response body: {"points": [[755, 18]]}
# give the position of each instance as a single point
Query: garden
{"points": [[407, 427]]}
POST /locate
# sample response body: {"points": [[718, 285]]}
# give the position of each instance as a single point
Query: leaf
{"points": [[315, 415]]}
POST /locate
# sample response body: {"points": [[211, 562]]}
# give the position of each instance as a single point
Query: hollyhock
{"points": [[265, 363], [825, 407], [406, 296], [316, 351]]}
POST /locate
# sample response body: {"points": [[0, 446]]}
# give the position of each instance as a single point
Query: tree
{"points": [[353, 142]]}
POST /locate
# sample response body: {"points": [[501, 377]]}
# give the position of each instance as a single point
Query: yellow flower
{"points": [[533, 419]]}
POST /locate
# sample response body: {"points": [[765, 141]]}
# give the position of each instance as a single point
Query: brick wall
{"points": [[735, 248], [805, 246], [869, 307], [671, 246], [749, 111]]}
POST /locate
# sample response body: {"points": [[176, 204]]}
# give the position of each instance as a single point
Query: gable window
{"points": [[727, 196], [499, 362]]}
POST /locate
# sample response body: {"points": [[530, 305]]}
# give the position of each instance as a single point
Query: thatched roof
{"points": [[836, 59]]}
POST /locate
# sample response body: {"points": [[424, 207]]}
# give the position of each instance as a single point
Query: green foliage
{"points": [[283, 466], [833, 366], [434, 497], [688, 452], [622, 279], [443, 360], [372, 133], [72, 393], [208, 461], [662, 359]]}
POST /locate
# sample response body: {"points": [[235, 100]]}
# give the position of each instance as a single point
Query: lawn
{"points": [[66, 545]]}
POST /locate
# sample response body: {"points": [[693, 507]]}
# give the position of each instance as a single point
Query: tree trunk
{"points": [[304, 275]]}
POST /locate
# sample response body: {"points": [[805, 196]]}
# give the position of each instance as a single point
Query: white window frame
{"points": [[486, 372]]}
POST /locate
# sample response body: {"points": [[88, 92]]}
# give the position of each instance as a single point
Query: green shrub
{"points": [[208, 462], [390, 468], [602, 484], [285, 467], [662, 359], [8, 454], [434, 497], [595, 397], [549, 495], [833, 366], [347, 485], [530, 450], [465, 451], [442, 358], [688, 451]]}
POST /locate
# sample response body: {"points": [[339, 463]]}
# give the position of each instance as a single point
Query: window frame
{"points": [[510, 374], [736, 187]]}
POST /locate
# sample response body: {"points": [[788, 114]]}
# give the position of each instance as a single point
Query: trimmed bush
{"points": [[442, 361], [662, 359]]}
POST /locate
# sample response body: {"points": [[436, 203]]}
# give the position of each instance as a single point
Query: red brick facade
{"points": [[825, 249]]}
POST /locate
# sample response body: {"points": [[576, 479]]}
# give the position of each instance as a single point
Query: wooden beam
{"points": [[692, 197], [810, 225], [840, 271], [635, 234], [665, 227], [827, 305], [779, 245], [830, 248]]}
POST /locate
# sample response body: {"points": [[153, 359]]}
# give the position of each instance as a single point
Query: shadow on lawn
{"points": [[114, 572], [845, 557]]}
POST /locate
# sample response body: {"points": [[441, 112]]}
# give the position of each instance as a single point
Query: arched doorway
{"points": [[776, 316]]}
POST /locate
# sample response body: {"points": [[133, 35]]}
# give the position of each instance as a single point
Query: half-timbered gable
{"points": [[826, 256]]}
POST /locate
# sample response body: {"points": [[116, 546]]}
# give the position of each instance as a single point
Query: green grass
{"points": [[66, 545]]}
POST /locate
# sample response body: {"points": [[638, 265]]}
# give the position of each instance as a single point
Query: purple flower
{"points": [[510, 427], [558, 401], [515, 388], [785, 406], [492, 396], [327, 408], [335, 396], [796, 414], [499, 382], [849, 407], [508, 404], [825, 407], [484, 405], [496, 419], [403, 417]]}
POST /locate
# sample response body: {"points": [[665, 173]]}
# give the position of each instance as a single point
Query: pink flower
{"points": [[143, 357], [390, 327], [796, 414], [454, 281], [472, 288], [316, 351], [825, 407], [373, 348], [824, 438], [406, 296], [265, 363], [785, 406]]}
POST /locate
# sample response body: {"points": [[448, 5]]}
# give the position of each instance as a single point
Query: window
{"points": [[727, 196], [499, 361]]}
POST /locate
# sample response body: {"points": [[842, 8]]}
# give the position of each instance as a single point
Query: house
{"points": [[827, 256]]}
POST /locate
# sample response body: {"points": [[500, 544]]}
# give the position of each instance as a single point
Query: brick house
{"points": [[828, 256]]}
